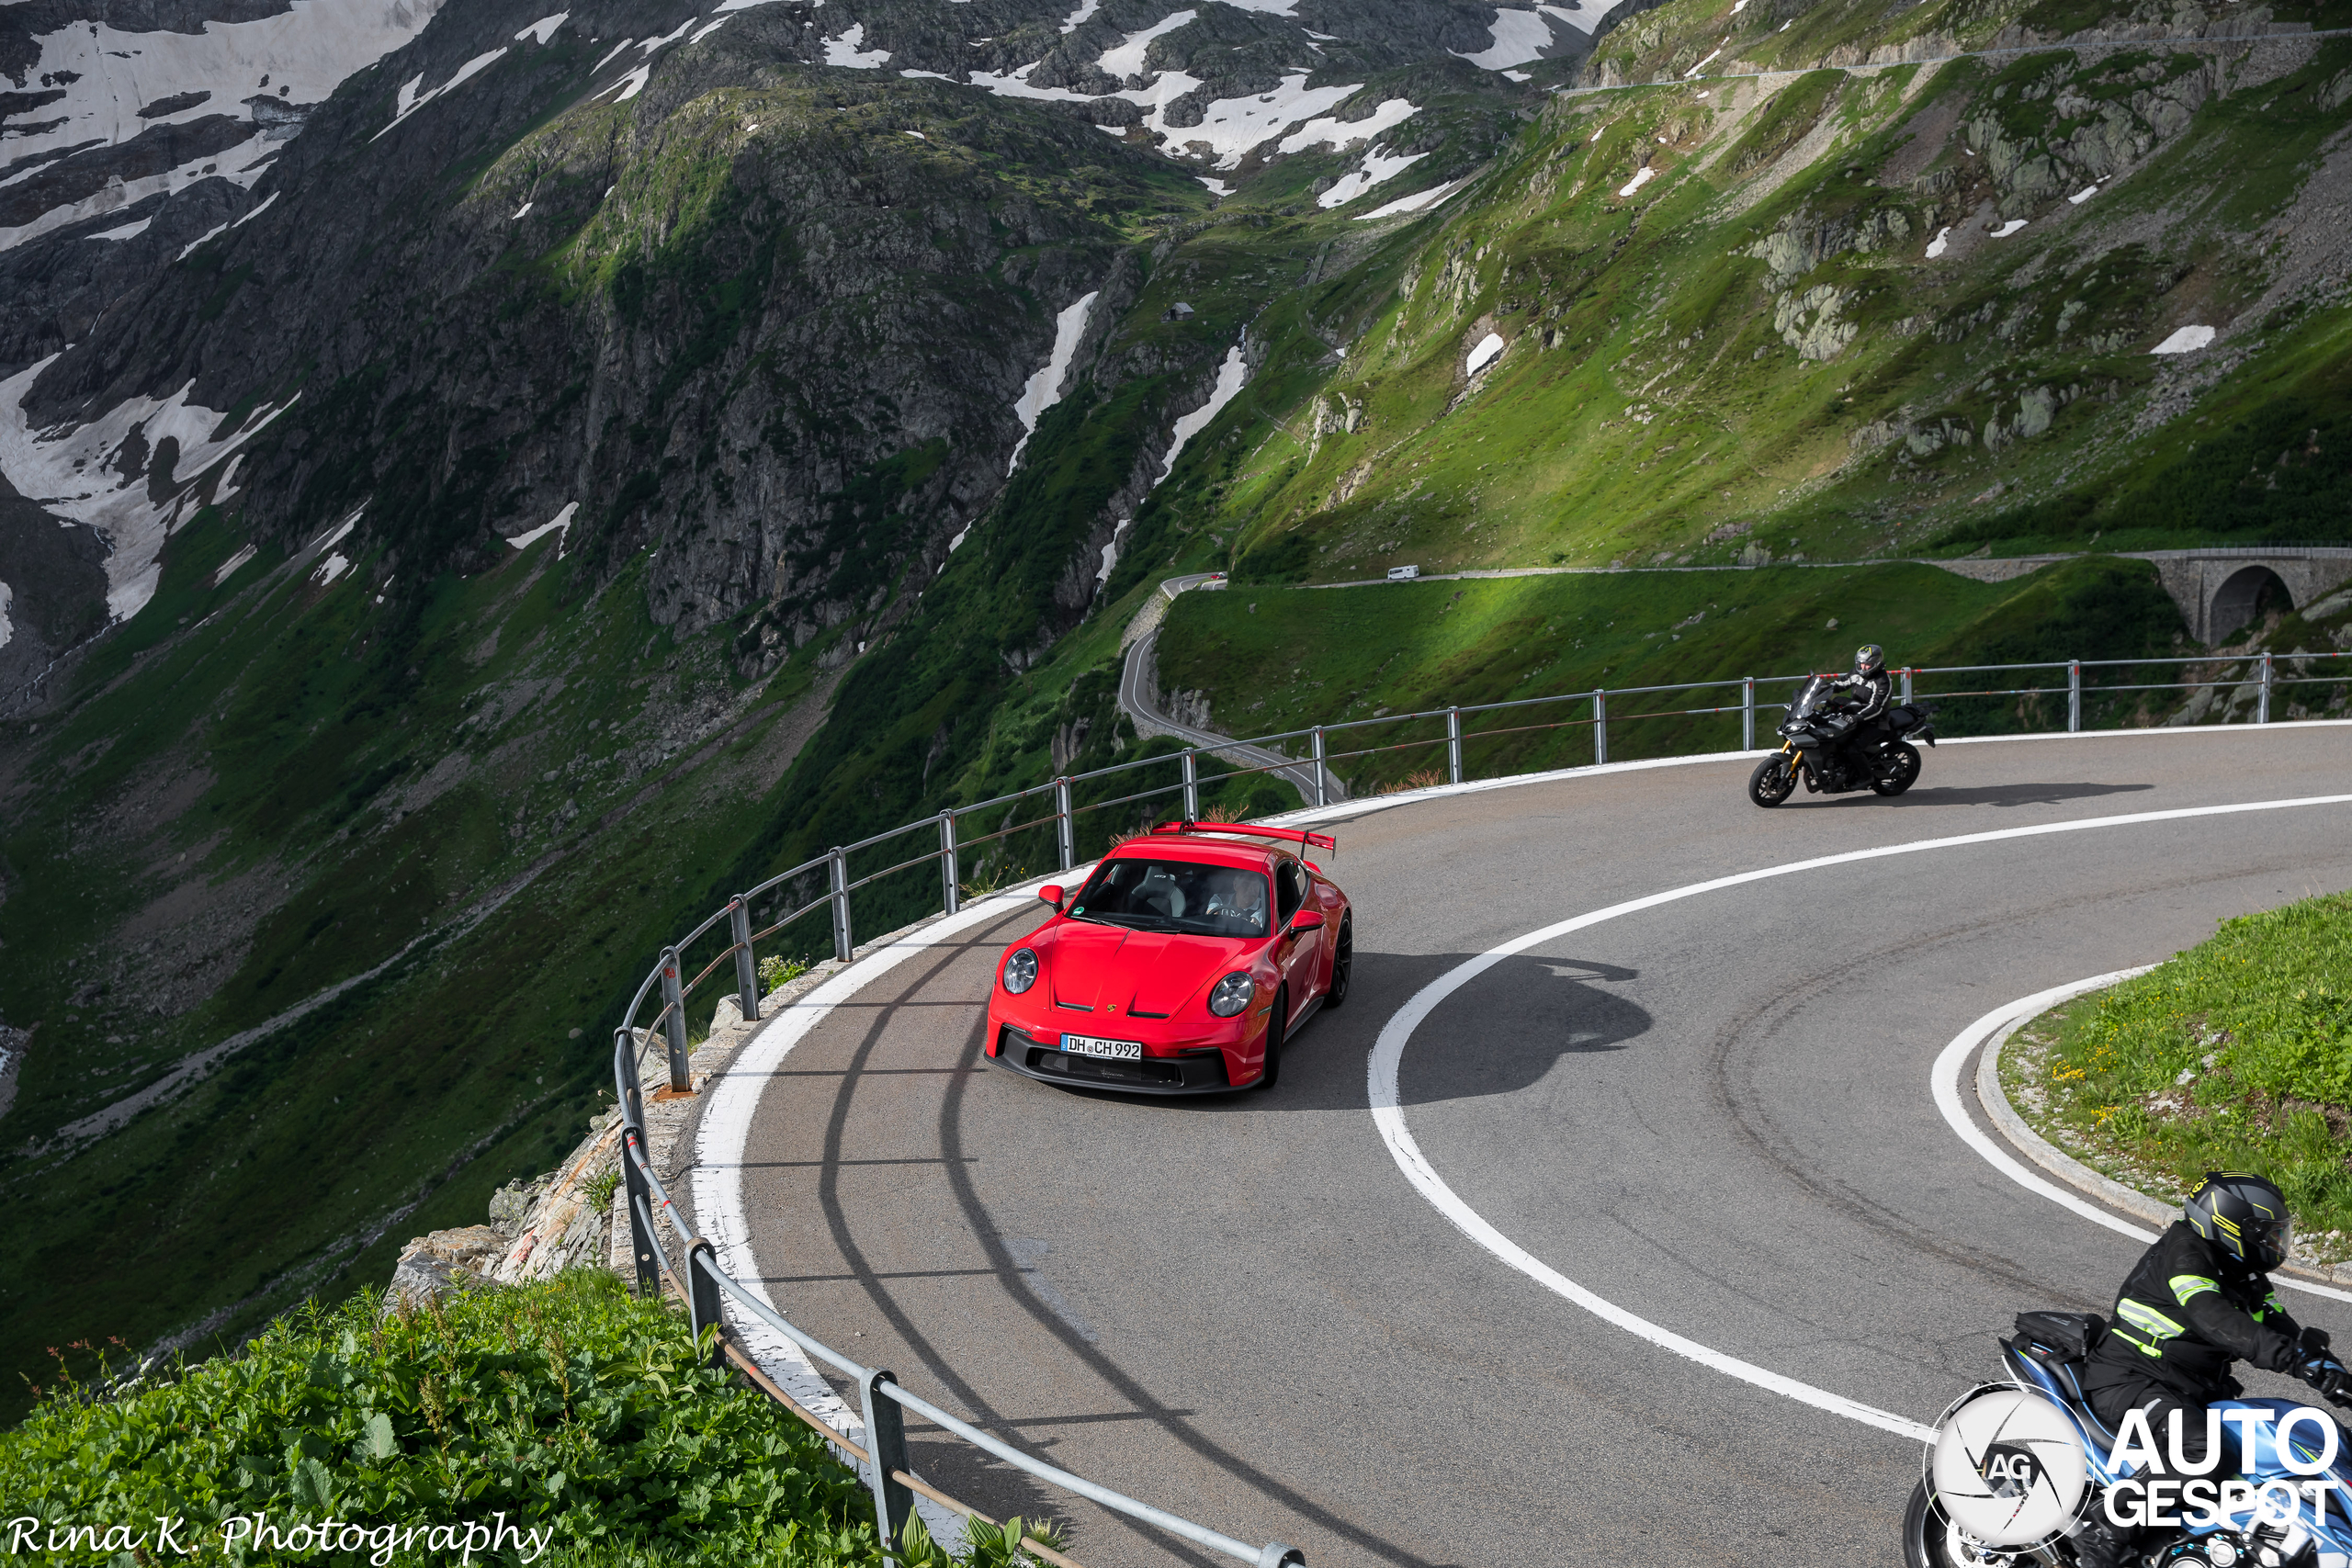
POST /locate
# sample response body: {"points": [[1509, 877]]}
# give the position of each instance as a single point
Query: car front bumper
{"points": [[1197, 1069]]}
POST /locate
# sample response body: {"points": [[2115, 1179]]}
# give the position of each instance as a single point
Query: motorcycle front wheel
{"points": [[1927, 1533], [1907, 771], [1773, 781]]}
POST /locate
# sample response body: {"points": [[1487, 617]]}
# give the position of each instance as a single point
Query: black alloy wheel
{"points": [[1343, 961], [1927, 1533], [1905, 763], [1772, 782], [1277, 1025]]}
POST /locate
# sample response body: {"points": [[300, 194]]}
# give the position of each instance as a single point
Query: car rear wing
{"points": [[1250, 829]]}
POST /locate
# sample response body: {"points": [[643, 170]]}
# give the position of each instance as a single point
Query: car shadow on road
{"points": [[1985, 794], [1502, 1033]]}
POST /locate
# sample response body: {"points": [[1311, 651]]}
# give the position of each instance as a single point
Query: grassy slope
{"points": [[2235, 1056]]}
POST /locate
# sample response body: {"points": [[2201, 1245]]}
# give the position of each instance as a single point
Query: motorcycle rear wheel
{"points": [[1906, 757], [1773, 781]]}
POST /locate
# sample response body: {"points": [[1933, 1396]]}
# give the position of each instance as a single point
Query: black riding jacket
{"points": [[1868, 692], [2187, 1311]]}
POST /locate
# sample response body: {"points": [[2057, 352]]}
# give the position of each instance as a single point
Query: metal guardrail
{"points": [[698, 1278]]}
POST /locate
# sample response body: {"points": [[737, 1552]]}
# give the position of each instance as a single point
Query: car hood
{"points": [[1148, 972]]}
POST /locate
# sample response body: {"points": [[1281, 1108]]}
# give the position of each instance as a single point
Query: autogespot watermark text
{"points": [[170, 1535], [2189, 1496]]}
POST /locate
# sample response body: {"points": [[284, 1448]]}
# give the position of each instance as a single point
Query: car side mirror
{"points": [[1051, 895], [1306, 919]]}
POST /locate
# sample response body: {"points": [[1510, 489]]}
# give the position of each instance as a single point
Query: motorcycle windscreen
{"points": [[1808, 698]]}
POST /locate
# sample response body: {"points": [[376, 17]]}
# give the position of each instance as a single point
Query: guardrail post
{"points": [[673, 1021], [1318, 766], [1274, 1554], [949, 874], [1192, 764], [837, 864], [2262, 697], [1600, 726], [747, 973], [1062, 825], [641, 1205], [1906, 685], [702, 1294], [2074, 695], [1748, 710], [1453, 745], [886, 1440]]}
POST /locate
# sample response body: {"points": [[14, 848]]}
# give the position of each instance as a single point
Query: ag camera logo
{"points": [[2009, 1468]]}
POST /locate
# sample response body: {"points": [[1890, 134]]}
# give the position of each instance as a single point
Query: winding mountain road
{"points": [[1711, 1114]]}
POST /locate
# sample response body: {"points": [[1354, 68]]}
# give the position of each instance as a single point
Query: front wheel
{"points": [[1343, 962], [1774, 777], [1277, 1025], [1905, 760], [1927, 1533]]}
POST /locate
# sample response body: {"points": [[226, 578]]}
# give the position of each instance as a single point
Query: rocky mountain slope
{"points": [[466, 513]]}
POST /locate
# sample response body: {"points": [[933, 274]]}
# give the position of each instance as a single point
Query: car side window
{"points": [[1290, 891]]}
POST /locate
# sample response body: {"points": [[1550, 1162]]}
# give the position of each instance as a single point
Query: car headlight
{"points": [[1020, 971], [1232, 994]]}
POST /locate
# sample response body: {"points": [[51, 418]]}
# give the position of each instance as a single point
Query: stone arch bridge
{"points": [[2218, 589]]}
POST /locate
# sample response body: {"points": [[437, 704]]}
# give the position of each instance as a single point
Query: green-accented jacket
{"points": [[2186, 1312]]}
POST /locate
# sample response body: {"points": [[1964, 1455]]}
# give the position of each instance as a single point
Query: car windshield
{"points": [[1175, 895]]}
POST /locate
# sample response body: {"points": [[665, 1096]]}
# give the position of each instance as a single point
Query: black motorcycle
{"points": [[1832, 753]]}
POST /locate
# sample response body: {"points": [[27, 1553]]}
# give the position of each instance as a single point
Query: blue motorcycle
{"points": [[2017, 1466]]}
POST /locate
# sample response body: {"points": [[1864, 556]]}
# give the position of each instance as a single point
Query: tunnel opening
{"points": [[2246, 596]]}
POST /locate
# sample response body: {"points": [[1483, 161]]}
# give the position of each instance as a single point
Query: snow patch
{"points": [[2082, 195], [1517, 76], [2011, 227], [1584, 18], [632, 84], [845, 50], [747, 4], [2188, 339], [1081, 17], [334, 565], [1701, 66], [229, 567], [918, 135], [1217, 188], [560, 523], [591, 70], [1126, 58], [8, 630], [1943, 241], [1338, 134], [1229, 379], [1232, 127], [264, 205], [1517, 37], [543, 29], [465, 73], [1642, 176], [1376, 168], [128, 231], [522, 211], [1101, 577], [341, 533], [707, 29], [1044, 389], [1413, 203], [1489, 349], [119, 192], [41, 463], [109, 74]]}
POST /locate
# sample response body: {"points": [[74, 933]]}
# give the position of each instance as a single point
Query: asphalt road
{"points": [[1715, 1113]]}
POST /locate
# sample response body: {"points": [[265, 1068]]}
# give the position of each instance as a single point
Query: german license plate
{"points": [[1118, 1049]]}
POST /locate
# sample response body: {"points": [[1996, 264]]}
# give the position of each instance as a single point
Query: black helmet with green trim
{"points": [[2244, 1215], [1868, 659]]}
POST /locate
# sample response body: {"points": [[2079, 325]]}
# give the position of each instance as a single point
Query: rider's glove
{"points": [[2328, 1375], [2312, 1341]]}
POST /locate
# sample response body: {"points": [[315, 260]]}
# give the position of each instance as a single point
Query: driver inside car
{"points": [[1239, 899], [2197, 1301]]}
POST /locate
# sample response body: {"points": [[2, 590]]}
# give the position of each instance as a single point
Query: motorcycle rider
{"points": [[1862, 694], [2197, 1301]]}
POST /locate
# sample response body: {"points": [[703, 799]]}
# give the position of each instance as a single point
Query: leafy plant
{"points": [[600, 1187], [777, 971]]}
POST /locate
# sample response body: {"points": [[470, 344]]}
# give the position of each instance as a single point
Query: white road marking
{"points": [[1945, 1077], [1388, 1114]]}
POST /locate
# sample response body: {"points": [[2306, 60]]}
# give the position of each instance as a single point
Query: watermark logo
{"points": [[168, 1536]]}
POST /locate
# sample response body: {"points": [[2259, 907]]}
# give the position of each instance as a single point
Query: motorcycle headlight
{"points": [[1020, 970], [1230, 995]]}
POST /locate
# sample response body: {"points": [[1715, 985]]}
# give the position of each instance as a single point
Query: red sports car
{"points": [[1180, 968]]}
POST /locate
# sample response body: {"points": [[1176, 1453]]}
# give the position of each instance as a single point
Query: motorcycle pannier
{"points": [[2069, 1333]]}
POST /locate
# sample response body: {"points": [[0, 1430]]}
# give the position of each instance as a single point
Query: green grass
{"points": [[2233, 1056], [1274, 659], [581, 1418]]}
